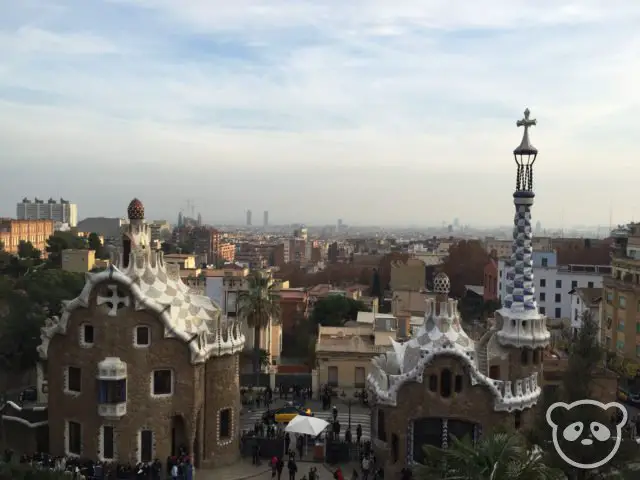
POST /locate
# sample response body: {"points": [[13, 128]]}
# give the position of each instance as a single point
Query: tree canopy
{"points": [[335, 310], [495, 456], [60, 241]]}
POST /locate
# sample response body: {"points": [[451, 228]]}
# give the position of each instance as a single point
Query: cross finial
{"points": [[526, 122]]}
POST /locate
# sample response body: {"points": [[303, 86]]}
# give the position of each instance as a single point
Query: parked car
{"points": [[285, 414]]}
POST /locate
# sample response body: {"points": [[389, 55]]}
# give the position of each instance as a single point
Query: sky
{"points": [[388, 112]]}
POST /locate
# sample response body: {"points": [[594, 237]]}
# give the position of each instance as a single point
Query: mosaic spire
{"points": [[520, 289]]}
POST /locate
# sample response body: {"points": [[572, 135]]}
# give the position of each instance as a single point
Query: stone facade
{"points": [[139, 366]]}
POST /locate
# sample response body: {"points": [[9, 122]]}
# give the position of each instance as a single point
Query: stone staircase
{"points": [[482, 352]]}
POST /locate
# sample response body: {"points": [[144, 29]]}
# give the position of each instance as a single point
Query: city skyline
{"points": [[387, 115]]}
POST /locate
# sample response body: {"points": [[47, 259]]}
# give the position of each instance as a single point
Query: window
{"points": [[395, 448], [558, 297], [433, 383], [74, 380], [107, 443], [445, 383], [143, 336], [162, 382], [524, 357], [543, 282], [86, 335], [112, 391], [620, 326], [620, 345], [382, 430], [146, 446], [589, 284], [74, 438], [637, 350], [225, 423], [494, 372], [609, 322], [609, 297], [536, 356], [457, 384], [558, 283], [333, 376], [518, 420], [359, 377], [558, 313], [543, 296], [637, 327], [545, 262], [622, 302], [543, 311], [574, 284]]}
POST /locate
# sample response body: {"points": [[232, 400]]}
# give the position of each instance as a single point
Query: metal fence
{"points": [[302, 380]]}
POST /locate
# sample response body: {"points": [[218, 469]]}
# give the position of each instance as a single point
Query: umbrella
{"points": [[307, 425]]}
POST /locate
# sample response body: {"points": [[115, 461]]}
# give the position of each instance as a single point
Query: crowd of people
{"points": [[256, 398], [176, 467]]}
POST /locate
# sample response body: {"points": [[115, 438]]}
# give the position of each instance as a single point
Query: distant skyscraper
{"points": [[248, 218], [339, 224], [63, 212], [265, 220]]}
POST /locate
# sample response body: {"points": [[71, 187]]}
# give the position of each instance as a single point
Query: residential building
{"points": [[441, 384], [409, 301], [498, 248], [226, 252], [78, 261], [586, 303], [294, 308], [555, 283], [160, 231], [621, 310], [63, 211], [205, 241], [138, 366], [184, 261], [37, 232], [409, 275], [491, 281]]}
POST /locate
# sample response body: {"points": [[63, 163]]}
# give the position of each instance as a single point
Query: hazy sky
{"points": [[373, 111]]}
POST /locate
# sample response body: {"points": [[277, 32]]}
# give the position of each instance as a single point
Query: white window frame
{"points": [[139, 444], [66, 381], [135, 337], [101, 445], [83, 342], [67, 438], [173, 383]]}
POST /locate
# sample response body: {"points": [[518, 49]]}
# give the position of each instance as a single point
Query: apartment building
{"points": [[586, 302], [37, 232], [63, 211], [556, 284], [621, 312]]}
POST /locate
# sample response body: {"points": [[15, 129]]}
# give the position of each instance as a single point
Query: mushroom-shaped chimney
{"points": [[135, 210]]}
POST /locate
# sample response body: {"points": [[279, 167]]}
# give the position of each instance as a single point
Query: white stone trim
{"points": [[81, 335], [139, 444], [101, 456], [73, 393], [66, 439], [173, 383], [232, 431], [135, 336]]}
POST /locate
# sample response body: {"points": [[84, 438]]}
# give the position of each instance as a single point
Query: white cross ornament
{"points": [[114, 300]]}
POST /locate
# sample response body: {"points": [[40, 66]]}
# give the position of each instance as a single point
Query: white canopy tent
{"points": [[307, 425]]}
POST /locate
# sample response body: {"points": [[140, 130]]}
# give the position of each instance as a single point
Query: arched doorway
{"points": [[461, 429], [426, 431], [178, 435]]}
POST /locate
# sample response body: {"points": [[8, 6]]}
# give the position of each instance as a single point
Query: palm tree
{"points": [[258, 306], [495, 457]]}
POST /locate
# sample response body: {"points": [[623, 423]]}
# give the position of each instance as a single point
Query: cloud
{"points": [[369, 83]]}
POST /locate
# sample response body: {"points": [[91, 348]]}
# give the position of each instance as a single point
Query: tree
{"points": [[60, 241], [335, 310], [26, 250], [95, 244], [25, 471], [496, 456], [258, 305], [465, 265], [585, 361]]}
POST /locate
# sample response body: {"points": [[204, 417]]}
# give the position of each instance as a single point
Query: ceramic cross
{"points": [[114, 300], [526, 122]]}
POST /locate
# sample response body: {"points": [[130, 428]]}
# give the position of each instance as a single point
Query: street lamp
{"points": [[349, 402]]}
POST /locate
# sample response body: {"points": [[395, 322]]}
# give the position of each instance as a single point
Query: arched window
{"points": [[445, 383], [457, 384], [524, 356], [494, 372], [536, 356], [518, 420], [433, 383]]}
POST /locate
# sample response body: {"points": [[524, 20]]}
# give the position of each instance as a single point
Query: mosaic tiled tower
{"points": [[522, 324]]}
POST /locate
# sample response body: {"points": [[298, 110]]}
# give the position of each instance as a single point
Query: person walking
{"points": [[293, 469]]}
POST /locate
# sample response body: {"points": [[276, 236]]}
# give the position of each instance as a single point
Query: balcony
{"points": [[112, 368], [112, 410]]}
